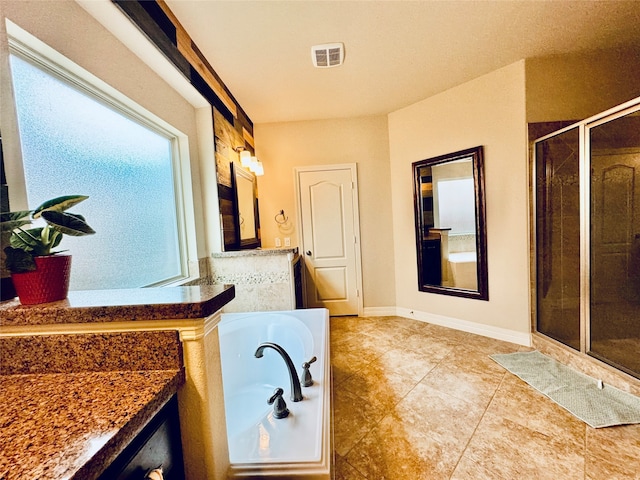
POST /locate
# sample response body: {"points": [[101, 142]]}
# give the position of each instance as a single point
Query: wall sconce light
{"points": [[248, 161], [245, 155], [245, 158], [256, 167]]}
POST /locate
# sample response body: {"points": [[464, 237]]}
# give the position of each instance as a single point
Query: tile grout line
{"points": [[386, 415], [464, 450]]}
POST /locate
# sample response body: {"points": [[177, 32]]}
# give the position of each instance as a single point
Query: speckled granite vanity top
{"points": [[59, 426], [256, 252], [121, 305], [70, 403]]}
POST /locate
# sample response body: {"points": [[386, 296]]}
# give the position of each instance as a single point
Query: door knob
{"points": [[308, 252]]}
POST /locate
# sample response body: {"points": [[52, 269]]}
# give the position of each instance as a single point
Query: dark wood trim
{"points": [[161, 19], [163, 30], [207, 92], [424, 285], [140, 17]]}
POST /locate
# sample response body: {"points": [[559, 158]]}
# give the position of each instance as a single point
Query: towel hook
{"points": [[283, 218]]}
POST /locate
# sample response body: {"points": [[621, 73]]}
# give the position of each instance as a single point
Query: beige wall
{"points": [[488, 111], [70, 30], [575, 87], [364, 141]]}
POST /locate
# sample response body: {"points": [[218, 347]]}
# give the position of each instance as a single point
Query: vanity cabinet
{"points": [[431, 260], [158, 445]]}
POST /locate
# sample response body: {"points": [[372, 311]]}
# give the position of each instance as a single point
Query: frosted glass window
{"points": [[456, 200], [75, 143]]}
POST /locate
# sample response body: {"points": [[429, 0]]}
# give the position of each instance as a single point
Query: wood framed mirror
{"points": [[247, 223], [449, 209]]}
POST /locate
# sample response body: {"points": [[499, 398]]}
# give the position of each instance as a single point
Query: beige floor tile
{"points": [[339, 374], [394, 450], [339, 338], [434, 347], [473, 360], [489, 346], [392, 322], [353, 418], [393, 333], [513, 451], [598, 469], [381, 389], [523, 404], [403, 362], [340, 325], [344, 471], [368, 345], [414, 400], [618, 445], [463, 384], [448, 419], [467, 469], [346, 363]]}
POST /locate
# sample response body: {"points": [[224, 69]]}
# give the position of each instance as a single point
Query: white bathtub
{"points": [[463, 270], [298, 446]]}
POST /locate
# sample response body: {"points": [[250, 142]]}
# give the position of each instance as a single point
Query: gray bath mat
{"points": [[574, 391]]}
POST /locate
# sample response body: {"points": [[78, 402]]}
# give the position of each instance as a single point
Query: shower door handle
{"points": [[155, 474]]}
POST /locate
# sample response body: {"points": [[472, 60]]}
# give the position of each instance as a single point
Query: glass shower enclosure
{"points": [[587, 236]]}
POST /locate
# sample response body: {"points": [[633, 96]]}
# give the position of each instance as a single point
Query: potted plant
{"points": [[39, 274]]}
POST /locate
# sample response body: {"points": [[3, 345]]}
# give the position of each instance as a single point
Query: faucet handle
{"points": [[280, 409], [305, 378]]}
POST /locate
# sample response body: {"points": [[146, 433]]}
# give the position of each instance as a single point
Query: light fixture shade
{"points": [[257, 168], [245, 158]]}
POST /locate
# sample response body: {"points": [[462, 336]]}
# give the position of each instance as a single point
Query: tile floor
{"points": [[418, 401]]}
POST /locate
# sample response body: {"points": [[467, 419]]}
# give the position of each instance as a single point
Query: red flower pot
{"points": [[49, 282]]}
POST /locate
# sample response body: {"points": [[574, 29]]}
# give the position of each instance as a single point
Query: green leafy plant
{"points": [[25, 244]]}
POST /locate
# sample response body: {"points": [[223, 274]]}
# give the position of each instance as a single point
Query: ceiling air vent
{"points": [[327, 55]]}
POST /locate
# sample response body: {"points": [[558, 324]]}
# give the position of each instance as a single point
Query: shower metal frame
{"points": [[584, 126]]}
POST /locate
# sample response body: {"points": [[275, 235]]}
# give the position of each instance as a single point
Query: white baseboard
{"points": [[498, 333], [380, 311]]}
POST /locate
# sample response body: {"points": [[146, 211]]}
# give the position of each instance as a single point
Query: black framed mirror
{"points": [[449, 212], [247, 222]]}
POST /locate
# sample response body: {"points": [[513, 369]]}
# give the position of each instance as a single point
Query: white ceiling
{"points": [[397, 52]]}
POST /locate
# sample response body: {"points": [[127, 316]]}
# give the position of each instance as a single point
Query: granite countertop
{"points": [[256, 252], [71, 403], [73, 425], [121, 305]]}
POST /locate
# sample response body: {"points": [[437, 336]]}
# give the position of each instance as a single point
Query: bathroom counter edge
{"points": [[124, 305]]}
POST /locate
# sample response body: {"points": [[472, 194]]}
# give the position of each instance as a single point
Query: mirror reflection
{"points": [[245, 208], [450, 237], [246, 218]]}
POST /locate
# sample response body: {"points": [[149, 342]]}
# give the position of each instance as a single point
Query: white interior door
{"points": [[615, 225], [330, 238]]}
